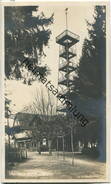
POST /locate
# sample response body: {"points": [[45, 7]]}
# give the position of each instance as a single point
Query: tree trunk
{"points": [[72, 146], [57, 147], [49, 144], [63, 148], [39, 149], [8, 133], [85, 143]]}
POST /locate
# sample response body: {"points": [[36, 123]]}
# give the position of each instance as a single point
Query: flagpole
{"points": [[66, 18]]}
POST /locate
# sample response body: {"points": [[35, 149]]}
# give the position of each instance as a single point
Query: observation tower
{"points": [[67, 62]]}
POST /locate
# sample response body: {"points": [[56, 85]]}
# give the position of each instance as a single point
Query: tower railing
{"points": [[69, 33], [70, 50], [64, 63], [67, 55], [62, 78]]}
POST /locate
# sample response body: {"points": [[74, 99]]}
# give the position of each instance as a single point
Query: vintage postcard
{"points": [[55, 66]]}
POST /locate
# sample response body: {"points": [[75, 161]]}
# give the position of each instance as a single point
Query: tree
{"points": [[92, 71], [90, 84], [7, 116], [43, 106], [26, 35]]}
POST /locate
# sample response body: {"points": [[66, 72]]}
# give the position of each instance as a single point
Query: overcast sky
{"points": [[77, 14]]}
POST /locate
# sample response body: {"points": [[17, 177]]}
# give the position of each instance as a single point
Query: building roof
{"points": [[67, 37], [23, 135], [27, 119]]}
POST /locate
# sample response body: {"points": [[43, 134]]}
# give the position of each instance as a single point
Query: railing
{"points": [[62, 78], [61, 108], [64, 91], [69, 33], [64, 63], [71, 49]]}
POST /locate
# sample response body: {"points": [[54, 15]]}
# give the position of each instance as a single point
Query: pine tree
{"points": [[92, 71], [90, 84], [26, 35]]}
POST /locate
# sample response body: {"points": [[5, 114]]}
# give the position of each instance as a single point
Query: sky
{"points": [[22, 95]]}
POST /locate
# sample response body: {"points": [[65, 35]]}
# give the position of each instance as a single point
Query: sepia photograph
{"points": [[55, 91]]}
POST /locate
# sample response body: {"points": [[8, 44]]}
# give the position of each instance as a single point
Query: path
{"points": [[50, 167]]}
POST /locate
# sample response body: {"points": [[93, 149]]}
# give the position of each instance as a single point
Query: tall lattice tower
{"points": [[67, 54]]}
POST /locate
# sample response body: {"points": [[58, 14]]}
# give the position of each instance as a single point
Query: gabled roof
{"points": [[27, 119]]}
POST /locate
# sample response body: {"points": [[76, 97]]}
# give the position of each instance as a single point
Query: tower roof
{"points": [[67, 38]]}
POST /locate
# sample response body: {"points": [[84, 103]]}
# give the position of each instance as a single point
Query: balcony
{"points": [[65, 82], [67, 53], [67, 38], [64, 91], [62, 78], [62, 64], [62, 109], [65, 67]]}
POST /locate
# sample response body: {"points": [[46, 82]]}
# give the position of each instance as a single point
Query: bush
{"points": [[44, 148], [13, 154], [91, 152]]}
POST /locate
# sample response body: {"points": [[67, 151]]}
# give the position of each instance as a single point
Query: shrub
{"points": [[91, 152]]}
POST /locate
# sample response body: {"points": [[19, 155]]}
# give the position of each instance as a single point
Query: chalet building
{"points": [[30, 135], [27, 137]]}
